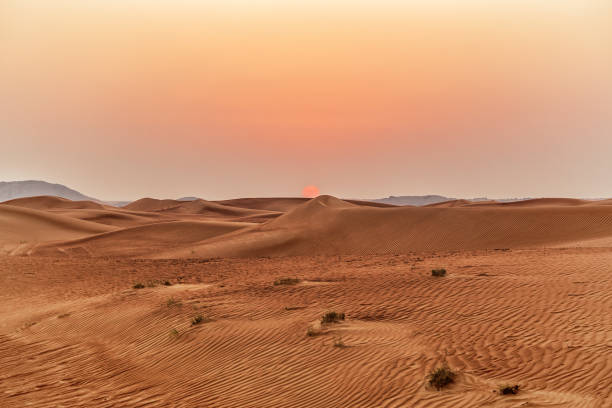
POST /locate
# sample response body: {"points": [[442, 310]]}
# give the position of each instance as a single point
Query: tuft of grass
{"points": [[286, 281], [138, 286], [438, 272], [509, 389], [197, 320], [332, 317], [173, 302], [174, 333], [441, 377]]}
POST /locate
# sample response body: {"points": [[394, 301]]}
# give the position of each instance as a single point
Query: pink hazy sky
{"points": [[122, 99]]}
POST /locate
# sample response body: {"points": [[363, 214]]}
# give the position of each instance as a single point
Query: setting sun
{"points": [[310, 191]]}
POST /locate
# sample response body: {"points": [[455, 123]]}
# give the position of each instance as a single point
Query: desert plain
{"points": [[167, 303]]}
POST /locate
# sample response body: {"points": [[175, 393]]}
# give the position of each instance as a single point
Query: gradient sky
{"points": [[122, 99]]}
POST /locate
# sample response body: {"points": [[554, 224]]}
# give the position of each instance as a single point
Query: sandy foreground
{"points": [[75, 333], [526, 302]]}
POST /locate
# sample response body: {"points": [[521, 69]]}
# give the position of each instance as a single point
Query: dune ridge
{"points": [[327, 225], [324, 225], [22, 229], [52, 202]]}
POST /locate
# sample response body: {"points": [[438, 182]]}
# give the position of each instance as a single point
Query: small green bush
{"points": [[509, 389], [138, 286], [332, 317], [441, 377], [438, 272]]}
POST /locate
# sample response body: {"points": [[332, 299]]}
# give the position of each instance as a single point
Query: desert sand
{"points": [[526, 301]]}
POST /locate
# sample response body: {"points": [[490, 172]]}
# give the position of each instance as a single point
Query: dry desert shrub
{"points": [[332, 317], [441, 377], [173, 302], [509, 389], [438, 272], [197, 320]]}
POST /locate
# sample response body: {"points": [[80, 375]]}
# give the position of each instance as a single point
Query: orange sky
{"points": [[123, 99]]}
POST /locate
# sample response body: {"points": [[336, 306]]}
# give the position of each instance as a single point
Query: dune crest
{"points": [[52, 202], [21, 229], [327, 225]]}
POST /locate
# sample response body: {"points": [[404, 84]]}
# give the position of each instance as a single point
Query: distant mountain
{"points": [[188, 199], [31, 188], [117, 203]]}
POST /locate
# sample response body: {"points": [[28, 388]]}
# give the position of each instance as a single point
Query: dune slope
{"points": [[51, 202], [327, 225], [141, 240], [23, 228]]}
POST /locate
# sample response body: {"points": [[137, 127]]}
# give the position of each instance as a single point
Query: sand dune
{"points": [[451, 203], [141, 240], [285, 204], [546, 202], [327, 225], [526, 301], [281, 204], [197, 207], [51, 202], [23, 228], [152, 204], [117, 218]]}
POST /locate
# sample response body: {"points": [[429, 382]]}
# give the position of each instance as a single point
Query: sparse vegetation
{"points": [[197, 320], [151, 284], [509, 389], [286, 281], [63, 315], [173, 302], [438, 272], [332, 317], [441, 377], [174, 333]]}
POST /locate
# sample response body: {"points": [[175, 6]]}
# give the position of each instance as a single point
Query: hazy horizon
{"points": [[221, 99]]}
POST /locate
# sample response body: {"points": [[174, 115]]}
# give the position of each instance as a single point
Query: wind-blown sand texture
{"points": [[526, 301]]}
